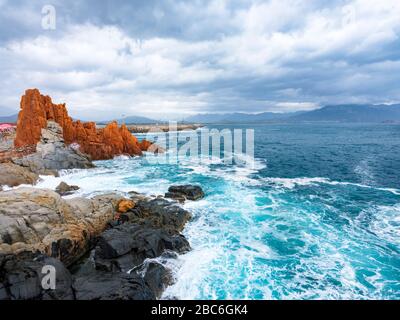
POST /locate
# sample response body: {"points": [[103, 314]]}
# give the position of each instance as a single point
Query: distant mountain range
{"points": [[336, 113], [133, 120], [9, 119], [240, 117], [352, 113]]}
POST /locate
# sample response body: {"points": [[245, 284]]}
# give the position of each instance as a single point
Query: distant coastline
{"points": [[350, 113], [144, 128]]}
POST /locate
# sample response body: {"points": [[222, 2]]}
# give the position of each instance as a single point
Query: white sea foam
{"points": [[383, 221], [291, 183], [364, 170], [237, 225], [191, 274], [122, 157]]}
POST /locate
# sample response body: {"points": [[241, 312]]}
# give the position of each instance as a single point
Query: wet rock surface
{"points": [[13, 175], [159, 213], [112, 286], [183, 192], [129, 245], [63, 189], [127, 253], [21, 278], [157, 277]]}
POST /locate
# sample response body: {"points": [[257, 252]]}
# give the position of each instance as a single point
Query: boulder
{"points": [[21, 278], [64, 189], [158, 213], [127, 246], [112, 286], [52, 154], [13, 175], [157, 277], [39, 219], [189, 192]]}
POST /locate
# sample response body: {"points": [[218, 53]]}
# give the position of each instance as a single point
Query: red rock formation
{"points": [[145, 145], [100, 144]]}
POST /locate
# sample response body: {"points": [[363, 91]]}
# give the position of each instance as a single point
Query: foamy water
{"points": [[255, 237]]}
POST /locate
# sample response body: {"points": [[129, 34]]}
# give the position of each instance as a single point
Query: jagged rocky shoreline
{"points": [[110, 246], [107, 247]]}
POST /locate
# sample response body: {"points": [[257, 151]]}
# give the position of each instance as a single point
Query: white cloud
{"points": [[275, 55]]}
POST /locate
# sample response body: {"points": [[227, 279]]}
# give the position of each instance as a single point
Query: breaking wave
{"points": [[258, 237]]}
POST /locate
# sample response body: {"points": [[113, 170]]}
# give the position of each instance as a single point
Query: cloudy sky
{"points": [[169, 59]]}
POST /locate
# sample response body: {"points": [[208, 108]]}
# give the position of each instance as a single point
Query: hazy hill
{"points": [[9, 119], [239, 117], [336, 113], [352, 113], [133, 120]]}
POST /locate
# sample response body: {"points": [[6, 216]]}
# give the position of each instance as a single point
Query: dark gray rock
{"points": [[21, 278], [159, 213], [64, 189], [157, 278], [189, 192], [112, 286], [127, 246]]}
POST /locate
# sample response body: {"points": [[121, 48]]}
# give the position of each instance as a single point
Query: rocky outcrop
{"points": [[158, 213], [12, 175], [21, 277], [7, 156], [39, 219], [112, 286], [52, 154], [157, 277], [64, 189], [181, 193], [105, 143], [129, 245], [126, 253]]}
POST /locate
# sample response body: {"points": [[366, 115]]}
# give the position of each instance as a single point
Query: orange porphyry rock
{"points": [[100, 144], [125, 205], [145, 145]]}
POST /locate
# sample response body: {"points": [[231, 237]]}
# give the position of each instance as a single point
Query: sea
{"points": [[315, 216]]}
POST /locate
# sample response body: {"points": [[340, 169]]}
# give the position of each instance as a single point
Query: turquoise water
{"points": [[318, 217]]}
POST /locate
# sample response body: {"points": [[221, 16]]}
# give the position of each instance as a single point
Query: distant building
{"points": [[6, 127]]}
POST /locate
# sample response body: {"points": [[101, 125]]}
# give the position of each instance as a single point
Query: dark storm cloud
{"points": [[169, 58]]}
